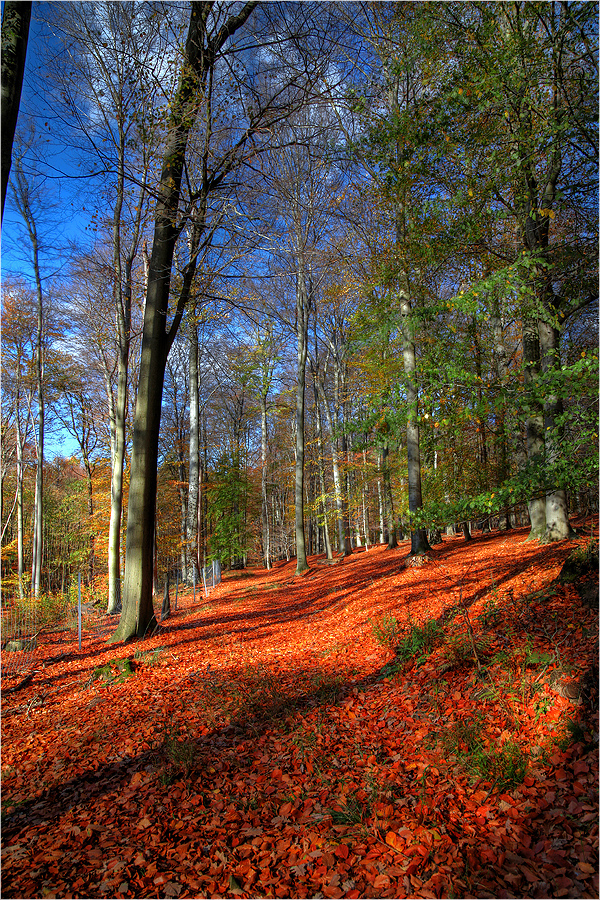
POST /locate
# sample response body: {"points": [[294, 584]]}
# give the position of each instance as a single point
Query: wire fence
{"points": [[211, 576], [27, 624]]}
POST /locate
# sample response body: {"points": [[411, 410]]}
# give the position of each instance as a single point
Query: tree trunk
{"points": [[392, 535], [319, 423], [266, 537], [381, 512], [116, 487], [335, 464], [534, 424], [302, 313], [418, 538], [20, 561], [165, 611], [558, 527], [194, 459], [16, 17]]}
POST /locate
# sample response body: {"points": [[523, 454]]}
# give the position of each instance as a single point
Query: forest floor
{"points": [[269, 742]]}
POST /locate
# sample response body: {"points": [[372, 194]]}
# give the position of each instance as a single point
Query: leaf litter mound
{"points": [[369, 730]]}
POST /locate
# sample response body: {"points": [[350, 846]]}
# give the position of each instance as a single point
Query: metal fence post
{"points": [[79, 608]]}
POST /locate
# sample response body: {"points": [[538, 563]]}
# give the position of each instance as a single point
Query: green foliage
{"points": [[459, 648], [350, 812], [467, 739], [574, 733], [386, 631], [179, 754], [149, 657], [418, 641], [116, 671], [228, 493]]}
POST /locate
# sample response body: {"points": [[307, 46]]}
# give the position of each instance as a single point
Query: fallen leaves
{"points": [[266, 752]]}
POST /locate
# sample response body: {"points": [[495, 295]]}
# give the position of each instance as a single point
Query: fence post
{"points": [[176, 589], [79, 608]]}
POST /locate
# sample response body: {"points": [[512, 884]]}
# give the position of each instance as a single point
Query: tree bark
{"points": [[194, 459], [558, 527], [16, 17], [392, 534], [319, 424], [418, 538], [266, 536], [302, 314], [534, 424]]}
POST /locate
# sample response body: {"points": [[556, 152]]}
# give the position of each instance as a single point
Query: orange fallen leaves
{"points": [[268, 754]]}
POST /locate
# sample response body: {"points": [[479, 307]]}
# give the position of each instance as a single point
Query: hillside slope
{"points": [[369, 730]]}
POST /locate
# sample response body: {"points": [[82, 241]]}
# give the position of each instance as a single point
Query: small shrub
{"points": [[149, 657], [579, 562], [348, 813], [459, 649], [179, 754], [116, 671], [574, 733], [386, 631], [419, 640], [327, 688], [490, 615], [504, 766]]}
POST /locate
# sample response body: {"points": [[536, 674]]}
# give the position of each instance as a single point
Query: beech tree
{"points": [[208, 48]]}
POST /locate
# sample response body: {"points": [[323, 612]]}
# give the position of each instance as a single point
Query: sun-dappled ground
{"points": [[368, 730]]}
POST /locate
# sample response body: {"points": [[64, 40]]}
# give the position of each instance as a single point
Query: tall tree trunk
{"points": [[534, 424], [558, 527], [302, 314], [194, 458], [16, 17], [116, 485], [38, 516], [418, 538], [322, 473], [381, 507], [20, 561], [335, 464], [266, 537], [388, 499], [501, 365]]}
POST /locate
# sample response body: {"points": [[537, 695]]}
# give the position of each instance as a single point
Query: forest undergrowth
{"points": [[368, 730]]}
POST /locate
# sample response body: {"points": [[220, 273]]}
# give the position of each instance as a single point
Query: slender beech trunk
{"points": [[194, 459], [322, 472], [20, 563], [123, 300], [388, 499], [302, 314], [116, 484], [534, 423], [346, 498], [23, 200], [266, 536], [501, 365], [38, 514], [335, 464], [418, 543], [381, 510]]}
